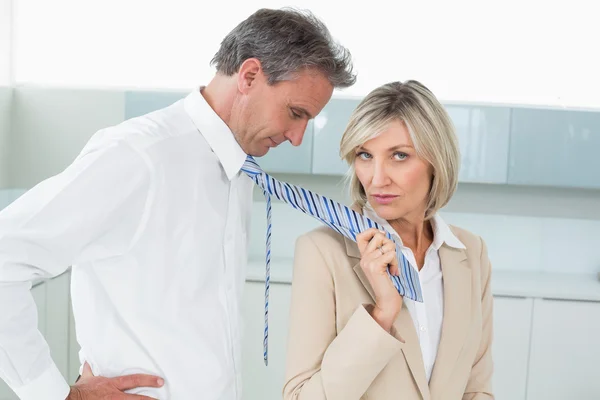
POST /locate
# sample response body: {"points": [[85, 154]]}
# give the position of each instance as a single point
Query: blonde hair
{"points": [[430, 129]]}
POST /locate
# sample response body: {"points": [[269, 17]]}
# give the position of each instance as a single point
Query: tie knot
{"points": [[251, 167]]}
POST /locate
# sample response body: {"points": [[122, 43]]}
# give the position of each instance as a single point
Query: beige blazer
{"points": [[336, 351]]}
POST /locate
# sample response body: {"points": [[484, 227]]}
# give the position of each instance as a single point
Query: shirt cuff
{"points": [[51, 385]]}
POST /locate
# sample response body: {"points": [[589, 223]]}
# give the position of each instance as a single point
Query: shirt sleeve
{"points": [[62, 221]]}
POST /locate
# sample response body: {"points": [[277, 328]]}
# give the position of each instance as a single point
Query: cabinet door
{"points": [[138, 103], [39, 296], [510, 348], [483, 134], [565, 351], [555, 148], [286, 158], [329, 128], [57, 320], [73, 348], [6, 99], [265, 382]]}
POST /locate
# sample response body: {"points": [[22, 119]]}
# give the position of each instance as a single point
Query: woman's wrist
{"points": [[384, 318]]}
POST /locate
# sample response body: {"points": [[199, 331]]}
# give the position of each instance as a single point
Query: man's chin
{"points": [[259, 152]]}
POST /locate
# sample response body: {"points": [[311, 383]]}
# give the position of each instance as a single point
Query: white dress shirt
{"points": [[428, 315], [153, 216]]}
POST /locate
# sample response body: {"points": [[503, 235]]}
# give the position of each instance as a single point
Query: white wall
{"points": [[510, 51], [5, 42], [5, 91]]}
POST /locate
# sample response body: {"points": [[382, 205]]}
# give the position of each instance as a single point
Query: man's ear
{"points": [[249, 74]]}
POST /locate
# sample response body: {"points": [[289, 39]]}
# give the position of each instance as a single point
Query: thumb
{"points": [[394, 267], [87, 371]]}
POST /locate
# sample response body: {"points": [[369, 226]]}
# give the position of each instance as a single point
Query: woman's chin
{"points": [[387, 211]]}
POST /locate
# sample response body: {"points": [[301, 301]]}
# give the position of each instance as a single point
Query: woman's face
{"points": [[396, 181]]}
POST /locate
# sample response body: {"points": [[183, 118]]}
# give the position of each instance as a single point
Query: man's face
{"points": [[268, 115]]}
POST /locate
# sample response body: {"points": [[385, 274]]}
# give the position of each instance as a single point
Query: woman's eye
{"points": [[400, 156]]}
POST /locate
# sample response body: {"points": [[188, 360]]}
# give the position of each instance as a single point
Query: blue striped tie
{"points": [[335, 215]]}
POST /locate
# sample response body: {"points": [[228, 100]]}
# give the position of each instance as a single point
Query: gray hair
{"points": [[285, 41], [430, 128]]}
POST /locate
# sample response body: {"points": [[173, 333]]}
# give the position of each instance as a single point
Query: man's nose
{"points": [[296, 135]]}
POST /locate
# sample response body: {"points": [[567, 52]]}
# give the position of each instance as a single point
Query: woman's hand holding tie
{"points": [[378, 254]]}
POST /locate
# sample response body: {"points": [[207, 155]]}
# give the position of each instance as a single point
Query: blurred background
{"points": [[519, 79]]}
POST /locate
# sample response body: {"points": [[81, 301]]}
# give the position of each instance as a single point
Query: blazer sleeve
{"points": [[323, 363], [479, 386]]}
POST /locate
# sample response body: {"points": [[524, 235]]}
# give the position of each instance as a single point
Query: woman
{"points": [[352, 336]]}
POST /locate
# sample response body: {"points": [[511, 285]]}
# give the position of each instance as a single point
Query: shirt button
{"points": [[423, 329]]}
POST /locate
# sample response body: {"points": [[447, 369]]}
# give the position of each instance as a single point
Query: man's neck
{"points": [[219, 95]]}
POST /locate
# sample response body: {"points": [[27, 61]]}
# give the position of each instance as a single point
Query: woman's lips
{"points": [[384, 198]]}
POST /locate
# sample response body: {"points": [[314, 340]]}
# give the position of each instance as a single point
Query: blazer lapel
{"points": [[457, 313], [403, 328]]}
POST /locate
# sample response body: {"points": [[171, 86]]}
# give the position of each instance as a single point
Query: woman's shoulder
{"points": [[475, 248], [324, 238], [473, 242], [324, 247]]}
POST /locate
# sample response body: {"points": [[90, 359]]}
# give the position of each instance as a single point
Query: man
{"points": [[153, 216]]}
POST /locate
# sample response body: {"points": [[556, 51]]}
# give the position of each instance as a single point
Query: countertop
{"points": [[548, 285]]}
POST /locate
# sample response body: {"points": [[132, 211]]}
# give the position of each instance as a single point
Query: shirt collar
{"points": [[216, 132], [441, 231]]}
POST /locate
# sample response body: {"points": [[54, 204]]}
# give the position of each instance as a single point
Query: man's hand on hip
{"points": [[90, 387]]}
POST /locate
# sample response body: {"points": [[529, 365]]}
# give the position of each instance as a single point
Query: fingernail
{"points": [[160, 381]]}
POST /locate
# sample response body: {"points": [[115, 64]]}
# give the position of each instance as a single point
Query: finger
{"points": [[376, 251], [377, 240], [380, 264], [394, 268], [377, 247], [137, 380], [138, 397], [363, 238], [387, 240], [387, 246], [395, 259], [87, 371], [369, 261], [392, 263]]}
